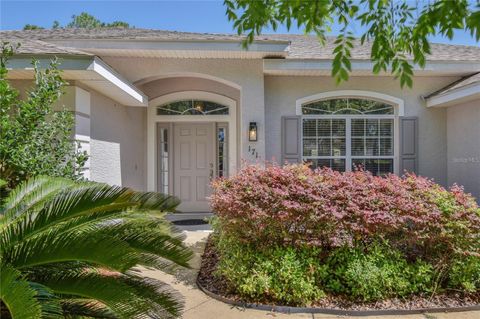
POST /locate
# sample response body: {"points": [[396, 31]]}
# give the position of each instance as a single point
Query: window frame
{"points": [[222, 107], [348, 134], [224, 127]]}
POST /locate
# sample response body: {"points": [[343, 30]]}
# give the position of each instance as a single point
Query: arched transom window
{"points": [[344, 133], [347, 106], [192, 107]]}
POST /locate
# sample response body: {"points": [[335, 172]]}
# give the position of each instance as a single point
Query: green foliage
{"points": [[398, 31], [300, 276], [36, 139], [290, 234], [465, 273], [88, 21], [376, 274], [32, 27], [285, 275], [83, 20], [117, 24], [70, 249]]}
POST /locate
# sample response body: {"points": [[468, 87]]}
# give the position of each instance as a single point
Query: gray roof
{"points": [[463, 82], [37, 47], [120, 33], [301, 46], [308, 47]]}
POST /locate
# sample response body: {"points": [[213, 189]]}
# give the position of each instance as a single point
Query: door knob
{"points": [[211, 171]]}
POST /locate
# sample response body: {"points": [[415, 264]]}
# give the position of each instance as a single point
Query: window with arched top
{"points": [[192, 107], [345, 133]]}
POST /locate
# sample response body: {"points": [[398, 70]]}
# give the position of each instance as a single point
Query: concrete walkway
{"points": [[200, 306]]}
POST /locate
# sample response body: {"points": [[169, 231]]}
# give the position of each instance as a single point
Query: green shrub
{"points": [[294, 233], [35, 137], [301, 276], [286, 275], [294, 205], [465, 273], [377, 274]]}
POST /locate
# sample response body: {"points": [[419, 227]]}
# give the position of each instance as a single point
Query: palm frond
{"points": [[17, 294], [74, 308], [64, 206], [125, 296], [31, 194], [155, 201], [51, 247], [72, 245], [88, 200], [164, 302], [147, 237], [50, 303]]}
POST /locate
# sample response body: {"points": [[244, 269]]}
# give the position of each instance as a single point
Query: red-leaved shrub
{"points": [[297, 206]]}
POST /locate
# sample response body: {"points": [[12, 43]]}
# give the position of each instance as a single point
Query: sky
{"points": [[179, 15]]}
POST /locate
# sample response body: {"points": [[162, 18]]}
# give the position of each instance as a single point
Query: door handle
{"points": [[211, 171]]}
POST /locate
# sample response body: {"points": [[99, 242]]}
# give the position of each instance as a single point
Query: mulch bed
{"points": [[218, 286]]}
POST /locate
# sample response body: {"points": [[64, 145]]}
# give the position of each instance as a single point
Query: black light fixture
{"points": [[252, 132]]}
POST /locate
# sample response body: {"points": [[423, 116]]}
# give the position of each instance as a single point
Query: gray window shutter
{"points": [[408, 144], [291, 139]]}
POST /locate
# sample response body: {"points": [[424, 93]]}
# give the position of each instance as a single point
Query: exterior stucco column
{"points": [[77, 100]]}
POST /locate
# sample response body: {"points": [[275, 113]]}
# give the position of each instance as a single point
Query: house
{"points": [[167, 111]]}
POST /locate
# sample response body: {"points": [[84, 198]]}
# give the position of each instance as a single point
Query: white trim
{"points": [[187, 74], [89, 71], [113, 77], [396, 102], [118, 46], [153, 118], [455, 96], [315, 67]]}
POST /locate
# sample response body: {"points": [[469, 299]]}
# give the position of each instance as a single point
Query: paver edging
{"points": [[339, 312]]}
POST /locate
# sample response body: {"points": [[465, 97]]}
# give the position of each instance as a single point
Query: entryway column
{"points": [[77, 100]]}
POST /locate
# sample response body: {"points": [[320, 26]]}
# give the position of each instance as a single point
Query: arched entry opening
{"points": [[192, 138]]}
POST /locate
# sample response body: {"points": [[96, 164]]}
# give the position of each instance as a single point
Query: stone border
{"points": [[331, 311]]}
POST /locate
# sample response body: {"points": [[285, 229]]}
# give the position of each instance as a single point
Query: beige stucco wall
{"points": [[118, 133], [246, 75], [117, 138], [117, 144], [463, 146], [281, 93], [23, 86], [157, 88]]}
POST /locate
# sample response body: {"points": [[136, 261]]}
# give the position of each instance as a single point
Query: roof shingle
{"points": [[38, 47], [301, 46]]}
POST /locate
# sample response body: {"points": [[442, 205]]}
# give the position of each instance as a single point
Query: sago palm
{"points": [[71, 250]]}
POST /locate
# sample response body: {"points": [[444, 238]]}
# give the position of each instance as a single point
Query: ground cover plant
{"points": [[294, 235]]}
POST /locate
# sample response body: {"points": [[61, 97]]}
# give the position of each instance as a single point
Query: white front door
{"points": [[193, 165]]}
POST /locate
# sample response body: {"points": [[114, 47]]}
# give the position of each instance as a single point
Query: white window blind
{"points": [[349, 136]]}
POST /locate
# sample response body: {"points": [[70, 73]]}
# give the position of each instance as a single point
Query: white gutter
{"points": [[277, 48], [455, 96], [113, 77]]}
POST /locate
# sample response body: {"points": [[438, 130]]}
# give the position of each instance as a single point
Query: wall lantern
{"points": [[252, 132]]}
